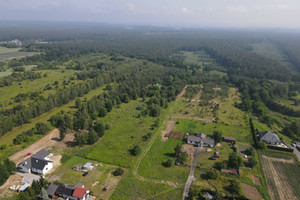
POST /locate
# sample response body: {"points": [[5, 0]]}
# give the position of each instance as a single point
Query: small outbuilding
{"points": [[87, 166], [207, 196], [229, 140]]}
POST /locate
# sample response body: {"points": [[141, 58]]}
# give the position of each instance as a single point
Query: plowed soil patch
{"points": [[251, 192]]}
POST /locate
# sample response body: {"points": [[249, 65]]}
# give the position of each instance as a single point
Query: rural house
{"points": [[87, 166], [38, 163], [269, 138], [200, 140], [229, 140], [81, 193]]}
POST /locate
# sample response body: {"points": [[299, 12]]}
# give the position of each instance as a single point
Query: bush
{"points": [[251, 162], [212, 174], [135, 150], [235, 187], [217, 135], [249, 151], [118, 172], [220, 165], [234, 160], [168, 163]]}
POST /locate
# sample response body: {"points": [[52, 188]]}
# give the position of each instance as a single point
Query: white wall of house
{"points": [[45, 170]]}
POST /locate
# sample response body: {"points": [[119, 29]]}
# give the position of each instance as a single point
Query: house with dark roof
{"points": [[207, 142], [200, 140], [51, 191], [38, 163], [269, 138], [65, 191]]}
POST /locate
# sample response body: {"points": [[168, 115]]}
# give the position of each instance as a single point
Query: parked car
{"points": [[217, 156], [212, 158], [293, 145], [28, 154], [85, 173]]}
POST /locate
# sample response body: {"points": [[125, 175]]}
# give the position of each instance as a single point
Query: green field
{"points": [[125, 131], [10, 53], [271, 51]]}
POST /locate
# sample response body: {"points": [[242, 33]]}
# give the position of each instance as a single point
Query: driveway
{"points": [[297, 153], [191, 177]]}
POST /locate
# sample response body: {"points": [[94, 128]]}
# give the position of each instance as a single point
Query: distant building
{"points": [[269, 138], [200, 140], [38, 163], [207, 196], [229, 140]]}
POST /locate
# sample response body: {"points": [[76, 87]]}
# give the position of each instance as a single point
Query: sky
{"points": [[176, 13]]}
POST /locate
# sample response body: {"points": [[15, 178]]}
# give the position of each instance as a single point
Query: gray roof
{"points": [[41, 154], [207, 195], [269, 137], [79, 185], [53, 187], [87, 165], [201, 135], [26, 163], [39, 163], [194, 139], [208, 141]]}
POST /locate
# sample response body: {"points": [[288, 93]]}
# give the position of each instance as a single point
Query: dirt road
{"points": [[181, 93], [191, 175], [193, 118], [49, 140]]}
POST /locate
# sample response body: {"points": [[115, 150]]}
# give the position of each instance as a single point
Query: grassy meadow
{"points": [[10, 53]]}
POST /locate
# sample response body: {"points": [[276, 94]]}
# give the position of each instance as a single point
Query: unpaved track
{"points": [[170, 126], [49, 140], [193, 118], [191, 177], [181, 93]]}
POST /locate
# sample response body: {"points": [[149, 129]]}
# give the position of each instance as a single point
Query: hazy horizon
{"points": [[174, 13]]}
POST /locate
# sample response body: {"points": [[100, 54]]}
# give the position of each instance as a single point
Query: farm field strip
{"points": [[282, 178]]}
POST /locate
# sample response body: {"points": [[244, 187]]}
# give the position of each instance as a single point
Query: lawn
{"points": [[96, 180], [151, 166], [126, 130], [10, 53]]}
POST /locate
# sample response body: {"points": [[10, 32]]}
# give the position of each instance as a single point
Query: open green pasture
{"points": [[126, 130], [192, 126], [10, 53], [151, 166], [270, 50]]}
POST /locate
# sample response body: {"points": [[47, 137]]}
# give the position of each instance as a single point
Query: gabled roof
{"points": [[208, 141], [87, 165], [79, 192], [26, 163], [53, 187], [65, 190], [193, 139], [229, 138], [269, 137], [41, 154], [39, 163], [201, 135]]}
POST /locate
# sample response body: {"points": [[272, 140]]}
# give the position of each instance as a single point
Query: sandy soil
{"points": [[49, 140], [189, 149], [282, 185], [251, 192], [181, 93], [193, 118], [165, 133], [256, 180], [14, 179], [176, 134]]}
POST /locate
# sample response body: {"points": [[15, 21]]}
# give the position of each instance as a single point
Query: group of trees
{"points": [[37, 191], [40, 129], [7, 167], [20, 76], [180, 156]]}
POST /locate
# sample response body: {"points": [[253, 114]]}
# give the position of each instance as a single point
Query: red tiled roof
{"points": [[79, 192]]}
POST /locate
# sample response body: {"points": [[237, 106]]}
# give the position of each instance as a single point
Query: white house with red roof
{"points": [[81, 193]]}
